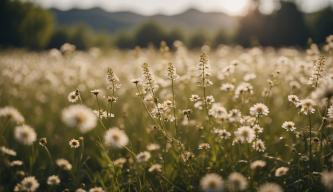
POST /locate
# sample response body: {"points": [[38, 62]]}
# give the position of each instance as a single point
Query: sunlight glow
{"points": [[235, 7]]}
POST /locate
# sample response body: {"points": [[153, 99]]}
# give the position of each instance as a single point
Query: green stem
{"points": [[174, 105]]}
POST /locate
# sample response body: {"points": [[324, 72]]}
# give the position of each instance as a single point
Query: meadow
{"points": [[168, 119]]}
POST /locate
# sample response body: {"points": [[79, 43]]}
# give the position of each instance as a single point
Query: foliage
{"points": [[24, 24]]}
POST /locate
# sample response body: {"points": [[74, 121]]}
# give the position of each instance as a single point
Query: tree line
{"points": [[29, 26]]}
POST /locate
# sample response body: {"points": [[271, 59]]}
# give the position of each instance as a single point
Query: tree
{"points": [[175, 35], [198, 39], [24, 24], [221, 37], [149, 33], [322, 25], [124, 41]]}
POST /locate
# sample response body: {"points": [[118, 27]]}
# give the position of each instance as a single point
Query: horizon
{"points": [[236, 8]]}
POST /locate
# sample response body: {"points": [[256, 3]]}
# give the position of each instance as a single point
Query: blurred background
{"points": [[124, 24]]}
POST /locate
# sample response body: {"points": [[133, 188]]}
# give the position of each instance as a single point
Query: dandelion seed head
{"points": [[29, 184], [270, 187], [12, 113], [237, 182], [212, 182], [114, 137], [25, 134], [79, 116]]}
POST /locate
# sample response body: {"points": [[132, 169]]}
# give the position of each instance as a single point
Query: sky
{"points": [[169, 7]]}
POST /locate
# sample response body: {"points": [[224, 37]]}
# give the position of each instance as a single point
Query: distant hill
{"points": [[111, 22]]}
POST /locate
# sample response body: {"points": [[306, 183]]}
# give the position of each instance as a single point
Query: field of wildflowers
{"points": [[230, 119]]}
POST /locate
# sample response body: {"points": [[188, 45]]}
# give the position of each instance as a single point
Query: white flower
{"points": [[80, 190], [248, 120], [114, 137], [259, 109], [227, 87], [143, 156], [281, 171], [245, 134], [95, 92], [102, 114], [96, 189], [210, 99], [212, 182], [237, 182], [67, 48], [74, 143], [53, 180], [25, 134], [7, 151], [327, 179], [259, 145], [204, 146], [11, 113], [257, 164], [249, 76], [15, 163], [79, 116], [257, 128], [73, 96], [307, 106], [119, 162], [153, 147], [330, 112], [294, 99], [64, 164], [289, 126], [218, 112], [234, 115], [195, 98], [222, 133], [198, 105], [155, 168], [270, 187], [29, 184], [243, 88]]}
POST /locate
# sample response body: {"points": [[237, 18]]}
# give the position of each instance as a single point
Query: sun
{"points": [[235, 7]]}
